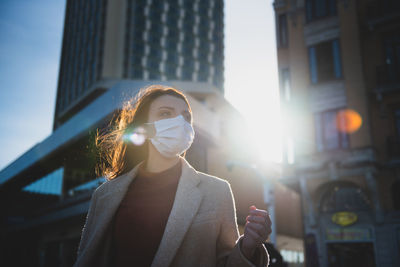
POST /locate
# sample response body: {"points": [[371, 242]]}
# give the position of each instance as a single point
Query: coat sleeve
{"points": [[87, 227], [229, 253]]}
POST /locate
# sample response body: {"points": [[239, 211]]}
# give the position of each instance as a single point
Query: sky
{"points": [[30, 48]]}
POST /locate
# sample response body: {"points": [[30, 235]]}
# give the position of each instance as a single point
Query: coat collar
{"points": [[187, 201]]}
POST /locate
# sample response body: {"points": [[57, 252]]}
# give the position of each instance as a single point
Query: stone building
{"points": [[340, 78]]}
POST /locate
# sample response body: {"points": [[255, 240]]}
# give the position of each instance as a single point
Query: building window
{"points": [[285, 84], [188, 69], [328, 136], [344, 197], [397, 121], [282, 31], [398, 240], [393, 141], [203, 71], [396, 195], [389, 73], [316, 9], [325, 61]]}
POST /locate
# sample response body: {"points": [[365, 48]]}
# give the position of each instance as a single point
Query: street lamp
{"points": [[268, 193]]}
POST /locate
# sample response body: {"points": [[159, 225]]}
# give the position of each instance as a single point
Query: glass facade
{"points": [[134, 42], [50, 184], [82, 50], [190, 36], [163, 40]]}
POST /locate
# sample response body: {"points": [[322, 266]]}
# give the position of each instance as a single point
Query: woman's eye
{"points": [[165, 114]]}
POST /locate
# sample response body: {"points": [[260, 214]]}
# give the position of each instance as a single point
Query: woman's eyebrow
{"points": [[166, 108]]}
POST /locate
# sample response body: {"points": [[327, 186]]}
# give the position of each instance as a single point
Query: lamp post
{"points": [[268, 193]]}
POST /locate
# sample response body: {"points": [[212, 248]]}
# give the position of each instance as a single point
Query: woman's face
{"points": [[168, 106]]}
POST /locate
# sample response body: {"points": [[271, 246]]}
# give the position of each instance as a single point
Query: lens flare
{"points": [[348, 121], [137, 137]]}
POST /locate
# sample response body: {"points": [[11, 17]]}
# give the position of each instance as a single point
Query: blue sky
{"points": [[30, 45]]}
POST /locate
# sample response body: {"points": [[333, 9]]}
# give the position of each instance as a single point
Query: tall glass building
{"points": [[160, 40]]}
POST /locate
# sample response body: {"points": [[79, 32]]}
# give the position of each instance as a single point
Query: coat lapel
{"points": [[187, 201], [108, 203]]}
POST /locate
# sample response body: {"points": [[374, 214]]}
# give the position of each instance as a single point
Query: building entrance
{"points": [[355, 254]]}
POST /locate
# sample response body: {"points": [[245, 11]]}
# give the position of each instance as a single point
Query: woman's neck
{"points": [[158, 163]]}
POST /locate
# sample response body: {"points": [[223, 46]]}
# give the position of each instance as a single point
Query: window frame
{"points": [[337, 65], [320, 128], [282, 30], [311, 10]]}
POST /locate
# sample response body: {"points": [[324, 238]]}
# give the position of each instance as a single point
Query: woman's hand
{"points": [[256, 231]]}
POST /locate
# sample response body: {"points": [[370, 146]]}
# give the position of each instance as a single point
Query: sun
{"points": [[261, 111], [265, 132]]}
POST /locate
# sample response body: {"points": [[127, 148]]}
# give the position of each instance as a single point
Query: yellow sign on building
{"points": [[344, 218]]}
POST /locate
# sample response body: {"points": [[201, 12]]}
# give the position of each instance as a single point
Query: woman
{"points": [[156, 209]]}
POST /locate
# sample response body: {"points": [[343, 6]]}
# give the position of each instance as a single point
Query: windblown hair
{"points": [[117, 156]]}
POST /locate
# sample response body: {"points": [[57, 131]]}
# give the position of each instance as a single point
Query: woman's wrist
{"points": [[247, 252]]}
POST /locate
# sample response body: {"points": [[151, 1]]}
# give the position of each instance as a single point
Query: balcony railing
{"points": [[388, 76]]}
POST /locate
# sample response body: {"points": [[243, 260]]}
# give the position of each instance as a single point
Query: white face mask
{"points": [[173, 136]]}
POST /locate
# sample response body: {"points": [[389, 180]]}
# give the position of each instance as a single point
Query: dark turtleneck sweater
{"points": [[142, 216]]}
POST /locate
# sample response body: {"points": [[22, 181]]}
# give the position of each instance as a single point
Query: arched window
{"points": [[344, 197]]}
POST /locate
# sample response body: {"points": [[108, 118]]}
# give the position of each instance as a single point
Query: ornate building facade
{"points": [[339, 74]]}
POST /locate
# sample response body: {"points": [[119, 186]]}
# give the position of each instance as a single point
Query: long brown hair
{"points": [[117, 157]]}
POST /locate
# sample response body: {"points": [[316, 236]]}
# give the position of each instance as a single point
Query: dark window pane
{"points": [[336, 59], [396, 195], [313, 65], [320, 8], [344, 198], [397, 118], [325, 61], [283, 34], [331, 134], [332, 7], [328, 136], [203, 72], [188, 69], [316, 9], [309, 10]]}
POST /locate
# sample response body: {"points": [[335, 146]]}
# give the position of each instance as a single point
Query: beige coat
{"points": [[201, 229]]}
